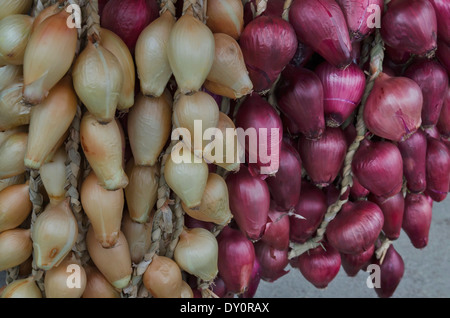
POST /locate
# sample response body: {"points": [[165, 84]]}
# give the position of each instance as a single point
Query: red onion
{"points": [[393, 209], [394, 107], [417, 219], [350, 133], [413, 152], [274, 8], [258, 115], [285, 185], [352, 264], [356, 227], [312, 206], [442, 10], [236, 259], [289, 127], [443, 124], [101, 6], [396, 55], [443, 54], [249, 202], [379, 167], [391, 273], [272, 261], [332, 194], [300, 97], [357, 14], [410, 25], [192, 223], [319, 265], [268, 44], [129, 18], [357, 191], [342, 91], [321, 25], [255, 279], [438, 169], [276, 233], [323, 158], [302, 56], [433, 80], [219, 288], [432, 132]]}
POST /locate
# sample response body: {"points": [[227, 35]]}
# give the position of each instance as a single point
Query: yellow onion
{"points": [[13, 112], [102, 146], [197, 253], [191, 111], [67, 280], [152, 63], [15, 248], [10, 7], [97, 285], [104, 209], [53, 176], [15, 31], [188, 177], [149, 126], [113, 43], [162, 278], [228, 70], [4, 135], [186, 290], [232, 152], [22, 288], [49, 121], [191, 53], [215, 206], [12, 154], [15, 206], [114, 263], [54, 234], [19, 179], [44, 14], [142, 191], [48, 56], [226, 16], [9, 74], [98, 80], [138, 235]]}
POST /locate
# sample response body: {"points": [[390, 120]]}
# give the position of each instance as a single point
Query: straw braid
{"points": [[168, 5], [197, 8]]}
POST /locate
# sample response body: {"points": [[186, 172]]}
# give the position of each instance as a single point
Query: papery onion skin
{"points": [[276, 233], [12, 153], [442, 10], [226, 17], [16, 247], [10, 7], [138, 235], [443, 54], [272, 262], [163, 278], [352, 264], [393, 211], [22, 288], [437, 169], [13, 113], [97, 285], [330, 38], [15, 30], [255, 280], [443, 124], [411, 26], [15, 206], [417, 219], [392, 270], [357, 191], [8, 74]]}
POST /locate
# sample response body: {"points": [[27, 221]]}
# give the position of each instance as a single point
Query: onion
{"points": [[272, 261], [16, 247], [138, 235], [249, 202], [330, 38], [433, 80], [127, 19], [391, 273], [53, 175], [285, 186], [163, 278], [393, 210], [10, 7], [9, 74], [353, 263], [276, 233], [191, 223], [12, 152], [443, 54], [319, 265], [357, 191], [443, 124], [226, 17], [342, 90], [22, 288], [410, 26], [356, 227], [15, 206], [263, 125], [413, 151], [312, 206], [236, 260], [13, 113], [393, 108], [417, 219], [255, 279], [219, 288], [268, 44], [300, 98], [438, 169], [15, 30], [442, 10], [378, 166], [97, 286]]}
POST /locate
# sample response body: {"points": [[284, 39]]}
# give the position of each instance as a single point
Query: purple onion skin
{"points": [[323, 158], [438, 169], [285, 185], [356, 227], [442, 10], [302, 56], [219, 288], [443, 54], [417, 219], [312, 206], [357, 14], [393, 209], [329, 38], [443, 124], [391, 273], [410, 25], [268, 44], [357, 191], [272, 262], [276, 233], [352, 264], [379, 167], [300, 98], [433, 80], [255, 279], [413, 151], [342, 90]]}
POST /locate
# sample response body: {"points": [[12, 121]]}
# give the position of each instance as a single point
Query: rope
{"points": [[168, 5], [197, 8]]}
